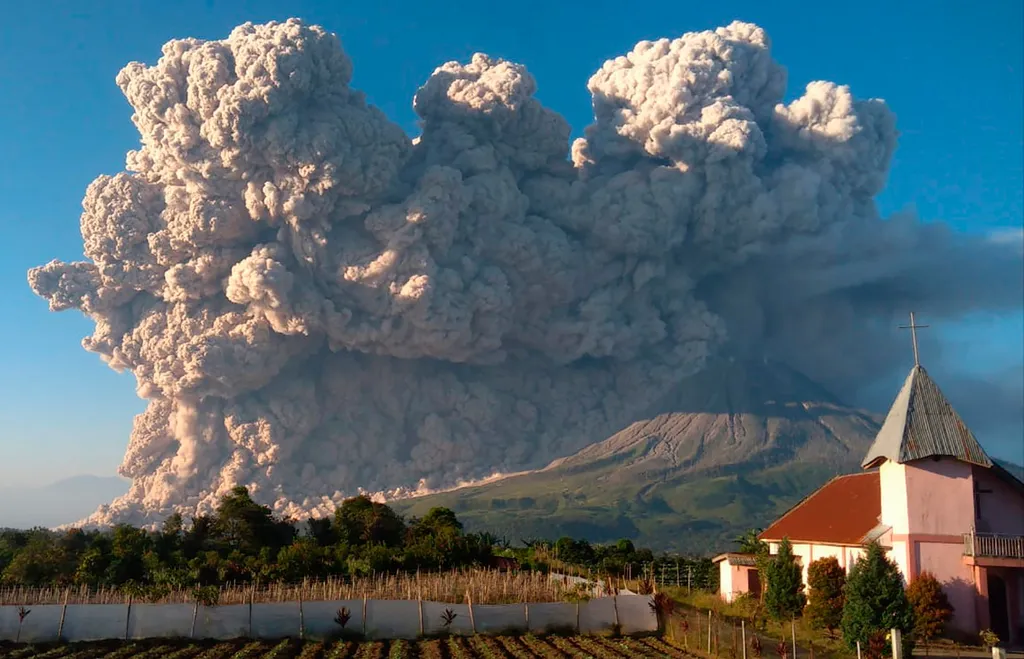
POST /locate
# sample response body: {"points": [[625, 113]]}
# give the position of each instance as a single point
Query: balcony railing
{"points": [[991, 545]]}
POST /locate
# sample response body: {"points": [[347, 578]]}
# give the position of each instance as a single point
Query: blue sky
{"points": [[951, 71]]}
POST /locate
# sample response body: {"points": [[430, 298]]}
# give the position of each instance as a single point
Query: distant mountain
{"points": [[1015, 469], [729, 449], [62, 502]]}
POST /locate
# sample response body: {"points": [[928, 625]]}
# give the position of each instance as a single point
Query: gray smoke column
{"points": [[315, 304]]}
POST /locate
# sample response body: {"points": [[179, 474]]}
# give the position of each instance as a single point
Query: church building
{"points": [[934, 500]]}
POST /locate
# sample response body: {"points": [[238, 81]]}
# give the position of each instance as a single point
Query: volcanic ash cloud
{"points": [[315, 304]]}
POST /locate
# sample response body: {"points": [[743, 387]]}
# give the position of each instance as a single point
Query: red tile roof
{"points": [[841, 512]]}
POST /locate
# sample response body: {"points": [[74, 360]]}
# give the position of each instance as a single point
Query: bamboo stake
{"points": [[419, 605], [63, 612], [364, 614], [793, 628], [195, 614], [252, 594], [128, 617]]}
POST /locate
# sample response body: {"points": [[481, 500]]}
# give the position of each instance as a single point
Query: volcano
{"points": [[727, 450]]}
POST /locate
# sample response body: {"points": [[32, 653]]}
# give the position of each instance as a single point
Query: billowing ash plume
{"points": [[313, 303]]}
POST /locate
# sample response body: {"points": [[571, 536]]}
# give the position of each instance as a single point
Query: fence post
{"points": [[743, 636], [472, 620], [128, 617], [577, 616], [793, 631], [419, 605], [364, 613], [63, 611], [195, 613], [897, 643], [252, 599], [710, 626]]}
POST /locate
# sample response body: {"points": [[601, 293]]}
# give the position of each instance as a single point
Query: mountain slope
{"points": [[62, 502], [729, 449]]}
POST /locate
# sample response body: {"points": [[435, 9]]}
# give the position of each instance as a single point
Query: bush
{"points": [[988, 638], [876, 603], [825, 601], [932, 609], [784, 598]]}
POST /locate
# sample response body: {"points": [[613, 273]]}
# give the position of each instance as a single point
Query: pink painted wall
{"points": [[734, 580], [940, 496], [945, 562], [1002, 511]]}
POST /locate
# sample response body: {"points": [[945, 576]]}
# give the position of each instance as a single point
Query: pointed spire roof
{"points": [[922, 424]]}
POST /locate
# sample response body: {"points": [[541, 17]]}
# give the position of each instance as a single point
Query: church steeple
{"points": [[922, 424]]}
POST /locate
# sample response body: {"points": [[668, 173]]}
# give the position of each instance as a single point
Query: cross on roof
{"points": [[913, 334]]}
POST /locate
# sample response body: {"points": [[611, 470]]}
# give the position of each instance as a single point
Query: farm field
{"points": [[456, 647]]}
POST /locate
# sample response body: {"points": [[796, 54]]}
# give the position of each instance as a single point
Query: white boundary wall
{"points": [[383, 619]]}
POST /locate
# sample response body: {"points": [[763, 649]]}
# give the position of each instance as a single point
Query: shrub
{"points": [[784, 598], [876, 603], [932, 609], [988, 638], [826, 579]]}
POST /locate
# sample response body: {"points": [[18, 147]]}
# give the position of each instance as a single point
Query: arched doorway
{"points": [[997, 607]]}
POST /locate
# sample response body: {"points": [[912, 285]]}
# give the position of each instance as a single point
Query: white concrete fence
{"points": [[376, 619]]}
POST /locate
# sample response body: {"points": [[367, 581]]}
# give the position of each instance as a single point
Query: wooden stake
{"points": [[252, 596], [364, 613], [472, 620], [128, 618], [526, 609], [419, 602], [793, 623], [743, 636], [302, 621], [63, 612], [195, 614], [709, 632]]}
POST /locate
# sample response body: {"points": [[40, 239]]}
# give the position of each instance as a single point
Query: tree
{"points": [[932, 609], [876, 603], [784, 598], [750, 544], [361, 521], [826, 579], [247, 526]]}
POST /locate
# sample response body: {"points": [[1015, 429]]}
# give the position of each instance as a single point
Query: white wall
{"points": [[161, 620], [318, 617], [384, 619], [725, 585], [893, 479], [41, 624]]}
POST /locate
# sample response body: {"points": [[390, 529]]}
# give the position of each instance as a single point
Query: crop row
{"points": [[455, 647]]}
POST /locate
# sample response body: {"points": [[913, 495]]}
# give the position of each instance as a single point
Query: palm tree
{"points": [[750, 544]]}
